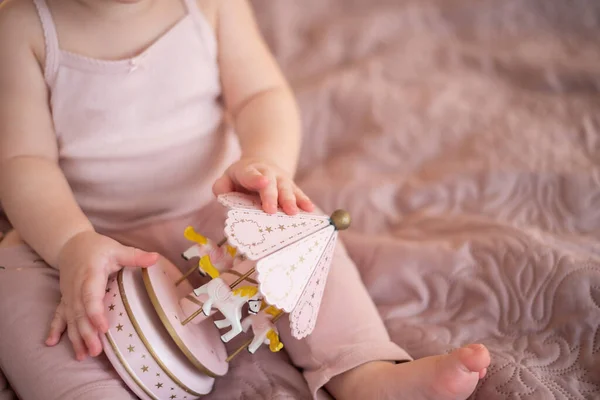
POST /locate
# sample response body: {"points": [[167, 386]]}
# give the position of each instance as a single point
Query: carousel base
{"points": [[200, 342], [156, 356]]}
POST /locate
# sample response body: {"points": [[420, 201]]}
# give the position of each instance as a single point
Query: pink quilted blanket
{"points": [[464, 138]]}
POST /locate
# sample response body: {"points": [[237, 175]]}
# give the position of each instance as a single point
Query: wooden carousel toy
{"points": [[166, 337]]}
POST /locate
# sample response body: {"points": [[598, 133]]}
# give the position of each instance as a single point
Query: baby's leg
{"points": [[6, 392], [29, 294], [349, 350]]}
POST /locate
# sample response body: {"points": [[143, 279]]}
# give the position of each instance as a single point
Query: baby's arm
{"points": [[35, 194], [33, 191], [263, 108], [257, 95]]}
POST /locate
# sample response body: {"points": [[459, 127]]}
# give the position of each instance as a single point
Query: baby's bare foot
{"points": [[446, 377]]}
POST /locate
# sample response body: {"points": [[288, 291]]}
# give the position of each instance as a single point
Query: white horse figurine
{"points": [[264, 330], [221, 257], [254, 307], [228, 302]]}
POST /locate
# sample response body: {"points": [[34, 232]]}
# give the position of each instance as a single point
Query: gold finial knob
{"points": [[340, 219]]}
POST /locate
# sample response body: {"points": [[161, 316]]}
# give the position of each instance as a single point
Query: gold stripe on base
{"points": [[127, 368], [165, 320], [138, 330], [239, 274]]}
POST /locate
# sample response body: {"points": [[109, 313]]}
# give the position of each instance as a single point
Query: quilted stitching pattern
{"points": [[464, 137]]}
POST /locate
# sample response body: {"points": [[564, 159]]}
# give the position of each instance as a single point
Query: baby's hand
{"points": [[85, 263], [274, 185]]}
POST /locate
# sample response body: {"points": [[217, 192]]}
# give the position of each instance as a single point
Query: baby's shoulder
{"points": [[20, 27]]}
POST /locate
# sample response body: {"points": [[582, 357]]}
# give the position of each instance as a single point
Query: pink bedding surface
{"points": [[464, 138]]}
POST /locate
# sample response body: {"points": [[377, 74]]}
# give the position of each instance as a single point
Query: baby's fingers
{"points": [[286, 195], [251, 178], [223, 185], [57, 327], [90, 336], [76, 340], [303, 201], [269, 196], [92, 296]]}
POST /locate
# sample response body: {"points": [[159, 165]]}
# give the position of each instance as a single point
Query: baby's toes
{"points": [[475, 357], [457, 373]]}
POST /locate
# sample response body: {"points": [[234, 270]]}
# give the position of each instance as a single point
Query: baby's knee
{"points": [[67, 379], [90, 391], [100, 391], [6, 393]]}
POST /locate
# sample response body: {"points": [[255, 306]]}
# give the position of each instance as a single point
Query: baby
{"points": [[115, 123]]}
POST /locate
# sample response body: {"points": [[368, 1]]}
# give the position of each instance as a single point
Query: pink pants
{"points": [[349, 331]]}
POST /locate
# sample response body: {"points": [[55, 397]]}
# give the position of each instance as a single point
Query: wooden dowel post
{"points": [[249, 341], [238, 351], [191, 317], [187, 274], [242, 278]]}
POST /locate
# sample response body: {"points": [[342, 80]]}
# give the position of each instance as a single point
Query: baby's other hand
{"points": [[85, 263], [274, 185]]}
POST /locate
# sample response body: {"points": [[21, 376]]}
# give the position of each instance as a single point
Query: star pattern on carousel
{"points": [[119, 328], [132, 348]]}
